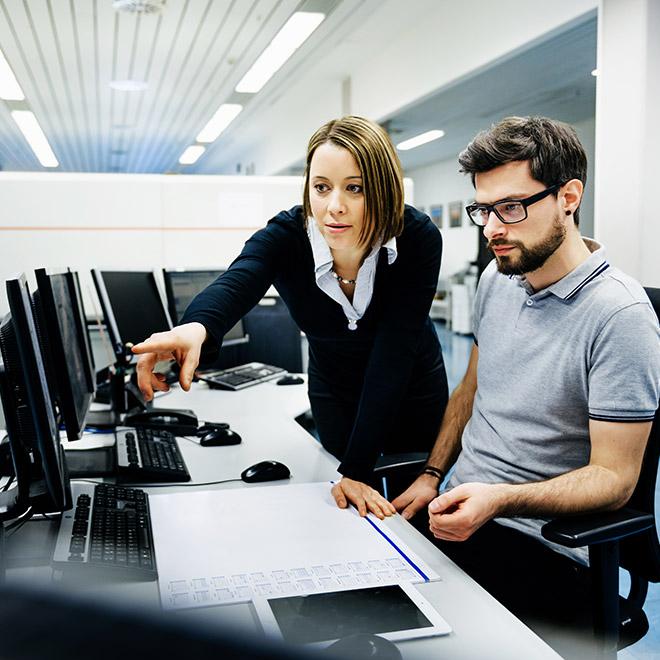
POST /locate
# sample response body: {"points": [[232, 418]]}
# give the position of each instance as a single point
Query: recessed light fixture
{"points": [[418, 140], [129, 85], [27, 122], [191, 154], [292, 35], [138, 6], [594, 72], [10, 90], [223, 116]]}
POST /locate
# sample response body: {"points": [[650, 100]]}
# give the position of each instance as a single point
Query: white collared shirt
{"points": [[364, 285]]}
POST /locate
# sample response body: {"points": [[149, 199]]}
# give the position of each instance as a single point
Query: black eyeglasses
{"points": [[509, 211]]}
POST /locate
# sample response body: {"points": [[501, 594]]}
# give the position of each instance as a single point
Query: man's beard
{"points": [[530, 258]]}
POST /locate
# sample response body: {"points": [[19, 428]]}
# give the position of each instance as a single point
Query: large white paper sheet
{"points": [[226, 546]]}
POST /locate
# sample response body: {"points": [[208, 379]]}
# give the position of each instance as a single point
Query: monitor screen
{"points": [[134, 303], [62, 335], [182, 286], [28, 407]]}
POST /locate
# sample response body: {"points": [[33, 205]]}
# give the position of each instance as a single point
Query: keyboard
{"points": [[238, 378], [149, 455], [107, 534]]}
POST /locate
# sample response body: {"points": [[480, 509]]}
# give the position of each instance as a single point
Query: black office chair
{"points": [[626, 538], [393, 473], [274, 335]]}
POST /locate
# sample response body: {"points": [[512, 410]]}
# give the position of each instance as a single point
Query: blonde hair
{"points": [[380, 168]]}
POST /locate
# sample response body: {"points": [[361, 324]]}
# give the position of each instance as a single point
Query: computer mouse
{"points": [[364, 645], [265, 471], [219, 437], [290, 380]]}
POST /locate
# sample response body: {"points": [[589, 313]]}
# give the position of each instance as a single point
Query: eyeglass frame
{"points": [[527, 201]]}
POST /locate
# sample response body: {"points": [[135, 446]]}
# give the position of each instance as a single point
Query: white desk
{"points": [[263, 416]]}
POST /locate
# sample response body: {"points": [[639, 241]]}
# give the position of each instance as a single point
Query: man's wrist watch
{"points": [[433, 471]]}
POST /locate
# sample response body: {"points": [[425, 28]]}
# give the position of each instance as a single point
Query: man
{"points": [[554, 411]]}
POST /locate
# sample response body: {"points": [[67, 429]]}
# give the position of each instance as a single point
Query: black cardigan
{"points": [[394, 345]]}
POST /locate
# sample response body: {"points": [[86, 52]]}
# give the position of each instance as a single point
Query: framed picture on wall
{"points": [[435, 212], [455, 214]]}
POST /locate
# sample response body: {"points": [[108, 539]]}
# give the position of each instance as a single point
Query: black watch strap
{"points": [[433, 471]]}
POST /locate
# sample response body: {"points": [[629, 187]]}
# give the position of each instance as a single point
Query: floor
{"points": [[456, 352]]}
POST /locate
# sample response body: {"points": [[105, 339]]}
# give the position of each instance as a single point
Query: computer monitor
{"points": [[182, 285], [34, 439], [132, 306], [62, 336]]}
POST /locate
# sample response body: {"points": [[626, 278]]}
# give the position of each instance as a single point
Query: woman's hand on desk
{"points": [[364, 498], [183, 343]]}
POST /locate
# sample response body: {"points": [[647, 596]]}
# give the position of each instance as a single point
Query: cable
{"points": [[160, 485], [13, 527]]}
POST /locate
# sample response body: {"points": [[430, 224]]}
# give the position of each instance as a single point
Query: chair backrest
{"points": [[640, 554], [274, 335]]}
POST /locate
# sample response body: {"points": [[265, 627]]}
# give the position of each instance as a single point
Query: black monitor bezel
{"points": [[108, 317], [171, 303], [85, 340], [46, 440], [122, 352], [73, 416]]}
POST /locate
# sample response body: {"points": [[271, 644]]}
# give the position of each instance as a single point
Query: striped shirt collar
{"points": [[323, 256], [570, 285]]}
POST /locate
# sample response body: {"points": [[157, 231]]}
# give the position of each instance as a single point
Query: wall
{"points": [[137, 222], [441, 183]]}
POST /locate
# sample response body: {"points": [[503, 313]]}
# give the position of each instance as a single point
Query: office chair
{"points": [[393, 473], [626, 538], [274, 335]]}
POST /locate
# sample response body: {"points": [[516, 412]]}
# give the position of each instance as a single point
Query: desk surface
{"points": [[264, 416]]}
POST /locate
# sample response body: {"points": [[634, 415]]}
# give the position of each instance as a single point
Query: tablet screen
{"points": [[326, 616]]}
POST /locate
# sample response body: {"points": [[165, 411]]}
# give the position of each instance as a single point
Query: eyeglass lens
{"points": [[507, 212]]}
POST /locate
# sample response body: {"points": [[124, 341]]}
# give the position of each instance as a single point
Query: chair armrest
{"points": [[390, 464], [578, 531]]}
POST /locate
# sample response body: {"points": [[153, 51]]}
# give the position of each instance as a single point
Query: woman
{"points": [[358, 271]]}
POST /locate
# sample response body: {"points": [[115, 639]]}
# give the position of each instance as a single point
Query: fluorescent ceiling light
{"points": [[223, 116], [416, 141], [129, 85], [35, 137], [292, 35], [191, 154], [10, 90]]}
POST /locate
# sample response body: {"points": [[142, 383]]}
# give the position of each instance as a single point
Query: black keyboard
{"points": [[149, 455], [107, 533], [238, 378]]}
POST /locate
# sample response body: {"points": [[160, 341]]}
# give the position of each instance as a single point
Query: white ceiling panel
{"points": [[192, 53]]}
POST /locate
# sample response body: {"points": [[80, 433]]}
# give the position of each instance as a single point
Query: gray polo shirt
{"points": [[586, 347]]}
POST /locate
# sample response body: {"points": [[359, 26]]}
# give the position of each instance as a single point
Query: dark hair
{"points": [[552, 148], [380, 168]]}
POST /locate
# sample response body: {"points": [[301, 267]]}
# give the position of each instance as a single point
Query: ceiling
{"points": [[193, 52]]}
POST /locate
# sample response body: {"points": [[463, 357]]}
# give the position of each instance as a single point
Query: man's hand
{"points": [[417, 495], [364, 498], [458, 513], [183, 343]]}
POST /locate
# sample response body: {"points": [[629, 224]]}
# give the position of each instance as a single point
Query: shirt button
{"points": [[352, 324], [530, 303]]}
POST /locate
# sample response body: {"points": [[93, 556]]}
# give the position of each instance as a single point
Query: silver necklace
{"points": [[341, 280]]}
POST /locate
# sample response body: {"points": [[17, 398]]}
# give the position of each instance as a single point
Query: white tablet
{"points": [[395, 612]]}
